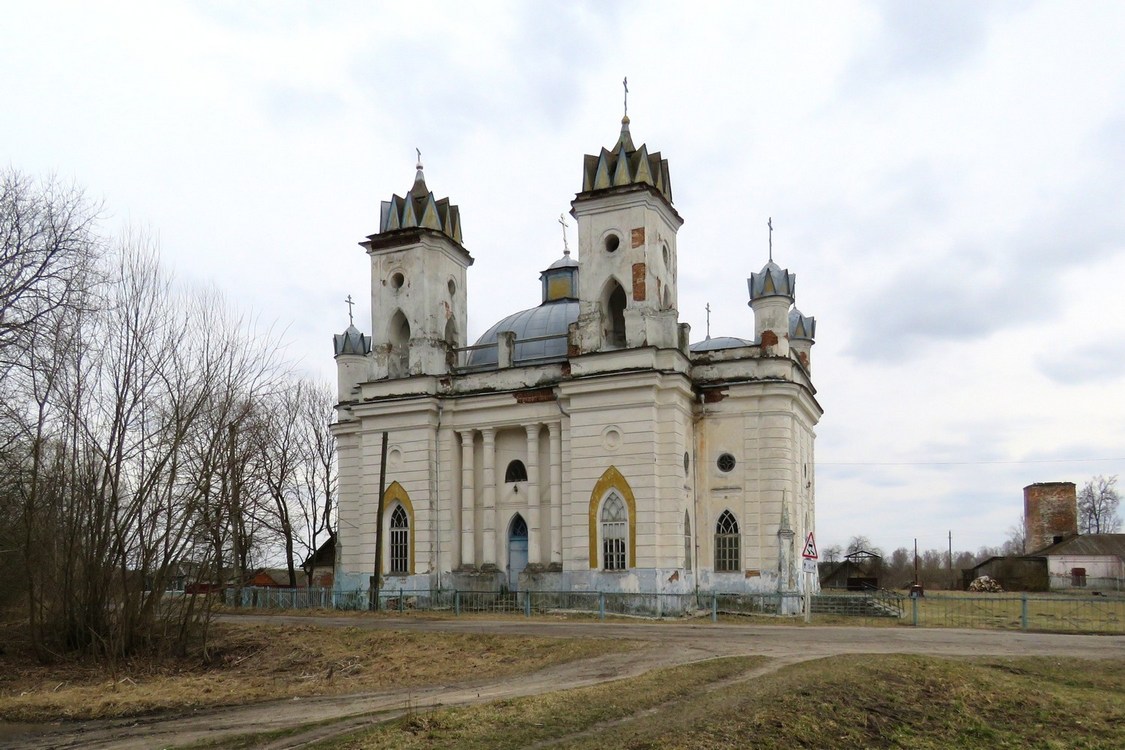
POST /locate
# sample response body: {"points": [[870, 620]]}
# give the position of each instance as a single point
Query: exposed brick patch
{"points": [[639, 280], [566, 367], [536, 396], [769, 338], [713, 395], [638, 236], [572, 350], [804, 357]]}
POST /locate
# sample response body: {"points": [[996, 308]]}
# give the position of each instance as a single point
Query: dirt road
{"points": [[666, 645]]}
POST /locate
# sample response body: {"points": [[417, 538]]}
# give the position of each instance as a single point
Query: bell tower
{"points": [[626, 249], [419, 306]]}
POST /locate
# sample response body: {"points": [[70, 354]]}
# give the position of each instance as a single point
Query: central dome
{"points": [[550, 319]]}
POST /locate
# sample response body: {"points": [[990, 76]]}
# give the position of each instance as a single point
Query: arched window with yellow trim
{"points": [[613, 523]]}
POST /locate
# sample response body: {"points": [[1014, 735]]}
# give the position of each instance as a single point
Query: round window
{"points": [[612, 242], [726, 463], [397, 280], [452, 287]]}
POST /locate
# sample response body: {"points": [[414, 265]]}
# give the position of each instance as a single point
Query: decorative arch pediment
{"points": [[612, 480]]}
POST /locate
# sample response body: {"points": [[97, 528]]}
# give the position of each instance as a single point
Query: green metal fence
{"points": [[1028, 612], [1039, 612]]}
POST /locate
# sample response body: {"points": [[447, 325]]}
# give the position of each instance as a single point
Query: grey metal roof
{"points": [[772, 281], [1112, 545], [801, 326], [564, 262], [719, 342], [548, 319], [351, 341]]}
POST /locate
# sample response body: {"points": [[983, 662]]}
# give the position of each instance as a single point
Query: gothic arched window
{"points": [[615, 533], [727, 555], [615, 316], [400, 541]]}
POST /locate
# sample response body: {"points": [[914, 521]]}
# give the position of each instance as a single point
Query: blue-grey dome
{"points": [[720, 342], [564, 262], [801, 326], [351, 341], [548, 319], [772, 281]]}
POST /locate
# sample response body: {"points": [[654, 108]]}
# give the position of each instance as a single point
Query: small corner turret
{"points": [[351, 349], [773, 290]]}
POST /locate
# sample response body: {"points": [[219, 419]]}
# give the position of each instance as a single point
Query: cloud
{"points": [[1099, 362]]}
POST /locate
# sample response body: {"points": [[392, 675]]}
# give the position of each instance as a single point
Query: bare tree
{"points": [[48, 244], [833, 553], [1016, 543], [1098, 502], [860, 542]]}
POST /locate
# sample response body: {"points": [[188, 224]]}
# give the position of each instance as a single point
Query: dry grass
{"points": [[886, 701], [255, 662], [524, 722]]}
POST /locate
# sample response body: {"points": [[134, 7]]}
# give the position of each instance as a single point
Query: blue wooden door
{"points": [[517, 551]]}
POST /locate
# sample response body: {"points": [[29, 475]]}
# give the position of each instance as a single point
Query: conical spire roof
{"points": [[351, 341], [625, 165], [420, 209], [772, 281]]}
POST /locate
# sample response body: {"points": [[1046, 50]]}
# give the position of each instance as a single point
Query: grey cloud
{"points": [[1092, 363], [928, 37]]}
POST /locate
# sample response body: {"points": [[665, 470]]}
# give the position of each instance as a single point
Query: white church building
{"points": [[583, 444]]}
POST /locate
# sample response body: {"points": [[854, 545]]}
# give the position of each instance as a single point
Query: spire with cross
{"points": [[350, 302], [769, 223], [625, 83], [708, 309], [562, 221]]}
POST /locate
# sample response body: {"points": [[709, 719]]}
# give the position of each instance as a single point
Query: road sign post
{"points": [[808, 568]]}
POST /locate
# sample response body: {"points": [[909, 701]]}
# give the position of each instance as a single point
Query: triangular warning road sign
{"points": [[810, 548]]}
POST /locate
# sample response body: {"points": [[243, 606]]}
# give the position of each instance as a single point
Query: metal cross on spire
{"points": [[350, 303], [562, 221], [419, 152], [708, 309], [769, 224], [625, 83]]}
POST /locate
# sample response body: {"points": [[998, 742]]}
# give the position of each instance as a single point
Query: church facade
{"points": [[584, 444]]}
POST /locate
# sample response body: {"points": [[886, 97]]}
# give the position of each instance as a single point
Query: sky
{"points": [[946, 179]]}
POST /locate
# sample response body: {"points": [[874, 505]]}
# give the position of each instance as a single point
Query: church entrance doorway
{"points": [[517, 551]]}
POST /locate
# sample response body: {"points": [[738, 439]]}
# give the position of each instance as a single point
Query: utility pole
{"points": [[952, 582], [376, 579]]}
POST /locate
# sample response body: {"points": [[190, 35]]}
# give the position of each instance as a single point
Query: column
{"points": [[556, 493], [534, 556], [489, 501], [468, 535]]}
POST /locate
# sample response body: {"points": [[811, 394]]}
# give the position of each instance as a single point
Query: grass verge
{"points": [[254, 662], [523, 722], [886, 701]]}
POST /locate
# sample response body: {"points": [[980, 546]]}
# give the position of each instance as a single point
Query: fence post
{"points": [[456, 603], [1023, 611], [714, 607], [914, 610], [601, 605], [527, 603]]}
